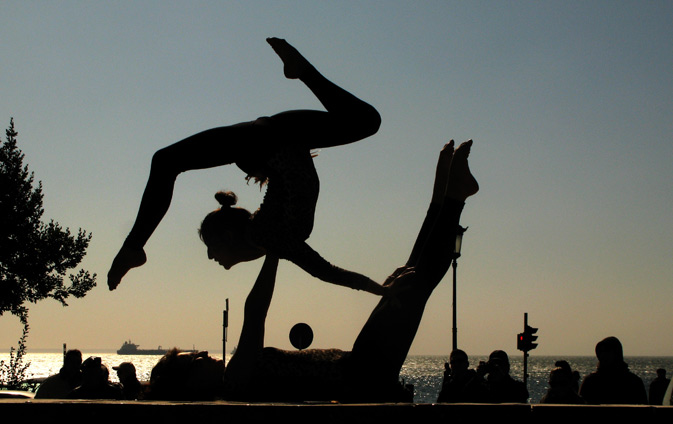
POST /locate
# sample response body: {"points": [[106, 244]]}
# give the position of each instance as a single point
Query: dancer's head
{"points": [[224, 232], [186, 376]]}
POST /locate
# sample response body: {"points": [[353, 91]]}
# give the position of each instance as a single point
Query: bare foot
{"points": [[123, 262], [296, 65], [462, 183], [442, 172]]}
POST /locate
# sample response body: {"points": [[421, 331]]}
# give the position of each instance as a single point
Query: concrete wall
{"points": [[229, 412]]}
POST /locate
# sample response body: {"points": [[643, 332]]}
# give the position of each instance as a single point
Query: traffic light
{"points": [[524, 341]]}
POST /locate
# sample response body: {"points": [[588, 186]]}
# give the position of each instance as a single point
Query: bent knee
{"points": [[165, 161], [371, 121]]}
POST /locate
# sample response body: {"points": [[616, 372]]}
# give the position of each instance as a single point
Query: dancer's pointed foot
{"points": [[442, 172], [462, 183], [295, 65], [123, 262]]}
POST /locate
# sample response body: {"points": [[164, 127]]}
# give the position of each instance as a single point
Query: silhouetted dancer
{"points": [[370, 371], [186, 376], [275, 150], [612, 382]]}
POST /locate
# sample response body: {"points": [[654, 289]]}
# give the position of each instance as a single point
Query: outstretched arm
{"points": [[310, 261], [257, 306]]}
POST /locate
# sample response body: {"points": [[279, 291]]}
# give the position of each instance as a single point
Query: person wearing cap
{"points": [[131, 387]]}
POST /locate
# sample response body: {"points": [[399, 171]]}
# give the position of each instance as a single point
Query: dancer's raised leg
{"points": [[383, 344], [207, 149], [462, 183], [438, 194], [348, 118], [438, 250]]}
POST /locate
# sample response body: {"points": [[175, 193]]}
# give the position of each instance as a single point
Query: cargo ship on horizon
{"points": [[129, 348]]}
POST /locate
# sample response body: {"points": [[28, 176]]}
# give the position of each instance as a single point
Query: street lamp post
{"points": [[456, 251]]}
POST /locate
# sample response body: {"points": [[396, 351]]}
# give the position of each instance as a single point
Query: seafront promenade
{"points": [[231, 412]]}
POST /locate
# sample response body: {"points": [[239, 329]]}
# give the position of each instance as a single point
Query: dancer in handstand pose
{"points": [[370, 372], [275, 150]]}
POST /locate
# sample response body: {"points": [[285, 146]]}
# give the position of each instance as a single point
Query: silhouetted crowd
{"points": [[174, 379], [611, 383], [90, 379]]}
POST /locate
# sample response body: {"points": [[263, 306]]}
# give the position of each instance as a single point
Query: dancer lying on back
{"points": [[370, 372], [275, 151]]}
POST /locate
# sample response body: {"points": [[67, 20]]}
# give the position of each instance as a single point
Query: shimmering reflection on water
{"points": [[424, 372], [46, 364]]}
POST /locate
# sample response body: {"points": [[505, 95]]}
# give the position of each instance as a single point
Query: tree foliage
{"points": [[35, 257], [13, 373]]}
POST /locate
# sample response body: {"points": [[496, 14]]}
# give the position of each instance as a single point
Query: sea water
{"points": [[45, 364], [425, 373]]}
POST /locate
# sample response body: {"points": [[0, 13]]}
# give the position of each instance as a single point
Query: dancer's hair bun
{"points": [[226, 198]]}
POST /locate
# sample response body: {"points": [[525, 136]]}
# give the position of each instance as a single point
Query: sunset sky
{"points": [[569, 103]]}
